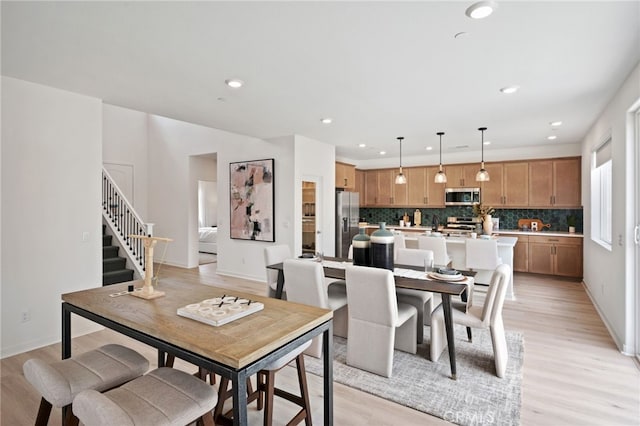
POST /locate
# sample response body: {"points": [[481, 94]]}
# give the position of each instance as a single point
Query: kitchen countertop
{"points": [[543, 233], [500, 232]]}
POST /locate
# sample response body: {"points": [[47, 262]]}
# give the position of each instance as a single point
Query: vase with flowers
{"points": [[484, 214]]}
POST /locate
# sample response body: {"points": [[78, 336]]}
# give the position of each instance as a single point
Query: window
{"points": [[601, 195]]}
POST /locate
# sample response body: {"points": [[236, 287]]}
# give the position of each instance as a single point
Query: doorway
{"points": [[309, 222], [636, 231]]}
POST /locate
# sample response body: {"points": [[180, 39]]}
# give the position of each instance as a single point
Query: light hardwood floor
{"points": [[573, 373]]}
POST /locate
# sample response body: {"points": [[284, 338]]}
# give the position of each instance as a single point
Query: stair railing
{"points": [[124, 221]]}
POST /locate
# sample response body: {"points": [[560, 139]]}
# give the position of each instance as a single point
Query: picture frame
{"points": [[252, 200]]}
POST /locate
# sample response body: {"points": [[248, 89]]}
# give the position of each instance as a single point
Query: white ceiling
{"points": [[379, 69]]}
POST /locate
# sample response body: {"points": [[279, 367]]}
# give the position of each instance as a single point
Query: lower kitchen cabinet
{"points": [[555, 256], [521, 255]]}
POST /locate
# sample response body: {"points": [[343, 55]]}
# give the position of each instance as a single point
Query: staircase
{"points": [[114, 268]]}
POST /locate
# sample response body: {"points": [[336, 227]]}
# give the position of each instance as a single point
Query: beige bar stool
{"points": [[100, 369], [164, 396]]}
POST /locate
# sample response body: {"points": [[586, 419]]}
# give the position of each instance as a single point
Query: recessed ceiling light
{"points": [[487, 142], [383, 152], [461, 34], [362, 145], [234, 83], [429, 148], [556, 123], [510, 89], [481, 9], [326, 120], [552, 137]]}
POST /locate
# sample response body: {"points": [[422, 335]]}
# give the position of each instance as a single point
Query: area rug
{"points": [[478, 397]]}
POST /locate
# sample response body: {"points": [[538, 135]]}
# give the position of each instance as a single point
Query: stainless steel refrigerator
{"points": [[347, 218]]}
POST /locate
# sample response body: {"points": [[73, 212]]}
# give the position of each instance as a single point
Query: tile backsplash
{"points": [[508, 217]]}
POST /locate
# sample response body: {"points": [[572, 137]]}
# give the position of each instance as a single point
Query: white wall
{"points": [[246, 258], [51, 159], [511, 154], [607, 274], [316, 159], [124, 141]]}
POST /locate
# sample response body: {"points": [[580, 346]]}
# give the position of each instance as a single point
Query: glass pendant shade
{"points": [[440, 177], [482, 175], [401, 179]]}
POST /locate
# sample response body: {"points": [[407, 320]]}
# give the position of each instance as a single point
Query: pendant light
{"points": [[401, 179], [440, 177], [482, 175]]}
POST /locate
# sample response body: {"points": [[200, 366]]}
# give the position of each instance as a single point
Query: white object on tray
{"points": [[446, 277], [219, 311]]}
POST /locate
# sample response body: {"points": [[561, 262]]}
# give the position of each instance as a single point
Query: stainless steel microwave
{"points": [[461, 196]]}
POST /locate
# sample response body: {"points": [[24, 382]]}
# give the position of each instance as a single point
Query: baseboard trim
{"points": [[624, 349]]}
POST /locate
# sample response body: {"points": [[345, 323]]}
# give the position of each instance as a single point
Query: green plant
{"points": [[571, 220], [481, 211]]}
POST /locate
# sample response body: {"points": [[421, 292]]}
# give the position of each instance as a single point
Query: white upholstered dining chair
{"points": [[422, 300], [487, 316], [438, 245], [481, 255], [377, 322], [272, 255], [398, 243], [306, 284]]}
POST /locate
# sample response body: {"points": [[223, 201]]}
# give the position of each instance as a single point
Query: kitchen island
{"points": [[456, 250]]}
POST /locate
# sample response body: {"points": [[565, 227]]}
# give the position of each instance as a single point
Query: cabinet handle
{"points": [[391, 200], [345, 182], [553, 239]]}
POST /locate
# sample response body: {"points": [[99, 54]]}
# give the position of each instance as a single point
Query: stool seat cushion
{"points": [[164, 396], [286, 359], [100, 369]]}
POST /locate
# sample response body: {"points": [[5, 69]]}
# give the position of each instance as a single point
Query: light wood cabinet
{"points": [[508, 186], [555, 256], [422, 191], [345, 176], [555, 183], [462, 175], [516, 184], [360, 184], [370, 188], [435, 191], [381, 190], [521, 254], [417, 186]]}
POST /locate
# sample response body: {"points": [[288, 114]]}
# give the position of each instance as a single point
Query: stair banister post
{"points": [[149, 227]]}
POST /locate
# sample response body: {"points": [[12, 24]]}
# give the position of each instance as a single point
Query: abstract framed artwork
{"points": [[252, 200]]}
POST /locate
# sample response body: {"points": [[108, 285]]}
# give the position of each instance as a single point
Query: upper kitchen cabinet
{"points": [[508, 185], [416, 186], [360, 184], [555, 183], [345, 176], [422, 191], [381, 189], [462, 175]]}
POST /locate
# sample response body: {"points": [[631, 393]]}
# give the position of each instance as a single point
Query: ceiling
{"points": [[379, 69]]}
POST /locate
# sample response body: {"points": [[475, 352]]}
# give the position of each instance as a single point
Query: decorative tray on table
{"points": [[220, 310]]}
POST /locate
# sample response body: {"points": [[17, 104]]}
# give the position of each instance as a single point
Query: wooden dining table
{"points": [[235, 350], [444, 288]]}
